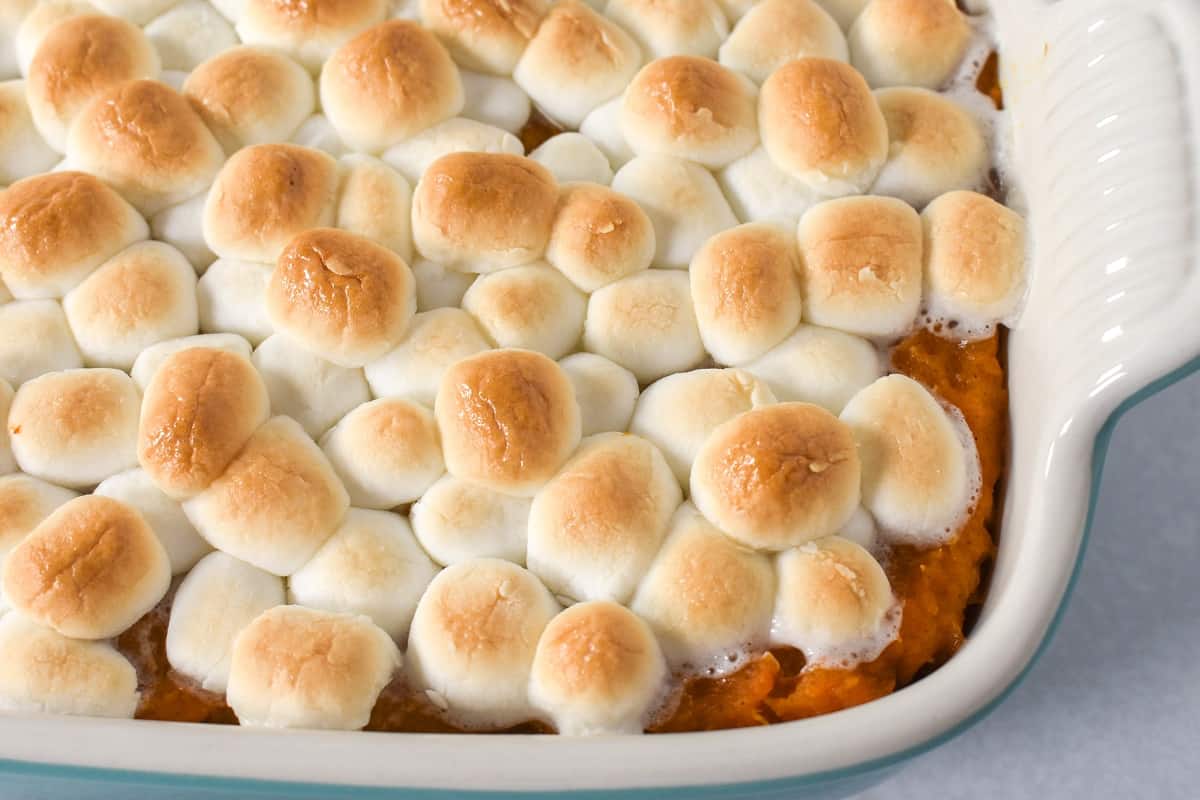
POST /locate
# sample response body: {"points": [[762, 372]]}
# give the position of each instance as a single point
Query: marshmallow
{"points": [[215, 601], [153, 357], [481, 35], [683, 202], [435, 340], [494, 101], [844, 11], [387, 452], [603, 127], [415, 154], [182, 227], [376, 202], [23, 151], [645, 322], [474, 637], [138, 12], [576, 61], [606, 392], [599, 236], [372, 566], [778, 476], [11, 13], [759, 191], [314, 392], [708, 599], [598, 669], [672, 27], [909, 42], [24, 503], [595, 527], [75, 427], [34, 340], [137, 489], [173, 78], [231, 297], [860, 529], [532, 307], [189, 34], [7, 462], [439, 287], [89, 570], [774, 32], [293, 667], [277, 502], [508, 419], [456, 520], [308, 31], [861, 265], [680, 412], [318, 133], [746, 291], [818, 365], [38, 20], [573, 157], [920, 471]]}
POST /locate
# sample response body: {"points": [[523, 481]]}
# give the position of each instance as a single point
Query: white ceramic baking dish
{"points": [[1104, 98]]}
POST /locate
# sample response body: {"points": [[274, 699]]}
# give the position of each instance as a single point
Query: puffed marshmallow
{"points": [[494, 101], [759, 191], [774, 32], [231, 297], [24, 502], [182, 227], [35, 339], [818, 365], [318, 133], [23, 151], [439, 287], [314, 392], [376, 202], [603, 127], [572, 157], [481, 35], [606, 392], [672, 27], [844, 11], [456, 520], [39, 20], [309, 32], [178, 537], [532, 307], [413, 156], [189, 34], [153, 357], [599, 236], [414, 368], [909, 42]]}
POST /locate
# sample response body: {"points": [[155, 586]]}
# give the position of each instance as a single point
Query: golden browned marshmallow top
{"points": [[485, 35]]}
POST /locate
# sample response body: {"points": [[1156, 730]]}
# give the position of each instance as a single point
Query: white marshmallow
{"points": [[759, 191], [232, 298], [35, 339], [314, 392], [182, 227], [318, 132], [189, 34], [672, 27], [23, 151], [375, 201], [456, 520], [603, 128], [174, 78], [860, 529], [456, 135], [7, 462], [179, 538], [573, 157], [818, 365], [532, 307], [439, 287], [494, 101], [606, 392], [152, 357], [435, 340]]}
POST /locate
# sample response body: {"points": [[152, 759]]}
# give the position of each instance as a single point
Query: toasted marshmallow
{"points": [[387, 452], [182, 227], [672, 27], [683, 201], [153, 357], [38, 20], [572, 157], [746, 291], [75, 427], [264, 196], [680, 412], [595, 527], [818, 365], [759, 191], [778, 476], [909, 42], [494, 101], [481, 35], [89, 570], [508, 419], [218, 598], [474, 637], [576, 61], [35, 339], [314, 392], [307, 30], [250, 95], [833, 602], [293, 667], [936, 146], [439, 287], [692, 108], [277, 502], [58, 227], [598, 669], [201, 406], [318, 133], [532, 307], [599, 236], [707, 598], [189, 34], [7, 462], [844, 11], [24, 502], [44, 672], [603, 127], [861, 265], [137, 489], [456, 520], [231, 297], [820, 124], [143, 295], [23, 151], [414, 368], [372, 566], [81, 59], [975, 260], [415, 154], [645, 322], [376, 202], [775, 32], [606, 392], [920, 471], [388, 83]]}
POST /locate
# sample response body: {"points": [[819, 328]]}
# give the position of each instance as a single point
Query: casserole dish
{"points": [[1101, 98]]}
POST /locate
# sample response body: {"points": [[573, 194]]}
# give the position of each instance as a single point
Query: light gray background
{"points": [[1112, 710]]}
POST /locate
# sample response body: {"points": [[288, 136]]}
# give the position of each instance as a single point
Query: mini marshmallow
{"points": [[413, 156], [532, 307], [376, 202], [909, 42], [680, 412], [182, 227], [7, 462], [861, 265], [844, 11], [860, 529], [603, 128], [153, 357], [774, 32], [599, 236], [372, 566], [318, 133], [484, 36], [293, 667], [387, 452], [35, 339], [75, 427], [216, 600], [494, 101], [606, 392], [139, 12], [646, 323], [24, 502], [439, 287], [683, 202], [173, 78], [920, 470], [818, 365], [277, 502], [572, 157], [456, 520], [11, 13], [137, 489], [598, 670], [672, 27], [189, 34], [309, 32], [314, 392], [759, 191], [435, 340], [38, 20], [231, 297], [708, 599], [23, 151], [474, 637], [778, 476]]}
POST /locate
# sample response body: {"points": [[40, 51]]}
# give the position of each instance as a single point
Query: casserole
{"points": [[1101, 99]]}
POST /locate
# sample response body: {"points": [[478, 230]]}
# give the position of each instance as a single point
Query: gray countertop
{"points": [[1110, 711]]}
